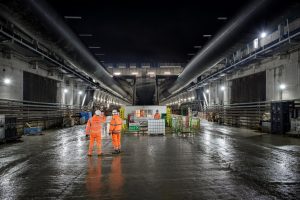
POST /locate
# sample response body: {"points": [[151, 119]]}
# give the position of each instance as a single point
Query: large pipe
{"points": [[217, 48], [59, 35]]}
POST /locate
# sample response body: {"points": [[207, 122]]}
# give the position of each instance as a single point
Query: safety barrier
{"points": [[185, 124]]}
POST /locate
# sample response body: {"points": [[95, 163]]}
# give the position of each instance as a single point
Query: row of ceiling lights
{"points": [[101, 54], [86, 35], [66, 91], [189, 99], [148, 73]]}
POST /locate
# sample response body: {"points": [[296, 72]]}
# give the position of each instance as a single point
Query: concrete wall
{"points": [[281, 69], [12, 67]]}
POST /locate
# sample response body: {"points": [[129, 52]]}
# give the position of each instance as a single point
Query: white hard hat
{"points": [[97, 112], [114, 112]]}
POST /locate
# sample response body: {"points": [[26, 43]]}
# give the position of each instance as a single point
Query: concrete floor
{"points": [[218, 163]]}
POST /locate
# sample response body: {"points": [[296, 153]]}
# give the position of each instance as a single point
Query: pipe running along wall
{"points": [[216, 50], [56, 35]]}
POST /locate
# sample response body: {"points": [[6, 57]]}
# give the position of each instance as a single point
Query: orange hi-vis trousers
{"points": [[116, 140], [93, 138]]}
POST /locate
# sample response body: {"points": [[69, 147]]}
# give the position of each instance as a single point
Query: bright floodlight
{"points": [[80, 92], [263, 34], [65, 91], [282, 86], [222, 88], [117, 73], [7, 81], [207, 91]]}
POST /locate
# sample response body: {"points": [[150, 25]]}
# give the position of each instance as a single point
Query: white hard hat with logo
{"points": [[114, 112], [97, 112]]}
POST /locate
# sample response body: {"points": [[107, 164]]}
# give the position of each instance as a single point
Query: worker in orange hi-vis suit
{"points": [[157, 115], [115, 131], [93, 128]]}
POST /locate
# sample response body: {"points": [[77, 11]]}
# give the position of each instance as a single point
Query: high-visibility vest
{"points": [[115, 124], [93, 126]]}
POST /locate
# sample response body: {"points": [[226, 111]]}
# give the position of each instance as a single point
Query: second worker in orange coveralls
{"points": [[115, 131], [93, 128]]}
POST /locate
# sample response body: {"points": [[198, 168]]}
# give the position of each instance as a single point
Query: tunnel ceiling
{"points": [[146, 31]]}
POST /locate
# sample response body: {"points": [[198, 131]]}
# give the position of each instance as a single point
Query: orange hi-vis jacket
{"points": [[93, 126], [115, 124], [157, 116]]}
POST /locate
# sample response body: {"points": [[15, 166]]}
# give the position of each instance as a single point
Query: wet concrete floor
{"points": [[217, 163]]}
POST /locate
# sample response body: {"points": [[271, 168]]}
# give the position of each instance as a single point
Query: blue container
{"points": [[32, 131], [90, 115], [82, 114]]}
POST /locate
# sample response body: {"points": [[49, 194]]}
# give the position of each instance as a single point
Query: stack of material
{"points": [[156, 127], [295, 127], [68, 121]]}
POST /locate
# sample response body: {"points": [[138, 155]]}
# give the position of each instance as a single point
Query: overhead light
{"points": [[151, 73], [117, 73], [222, 74], [66, 91], [167, 73], [135, 73], [263, 34], [255, 43], [222, 88], [99, 54], [94, 47], [222, 18], [282, 86], [72, 17], [207, 35], [80, 92], [197, 47], [85, 35], [207, 91], [7, 81], [191, 54]]}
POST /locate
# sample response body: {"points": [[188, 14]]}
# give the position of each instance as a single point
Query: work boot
{"points": [[115, 152], [89, 154], [100, 154], [119, 151]]}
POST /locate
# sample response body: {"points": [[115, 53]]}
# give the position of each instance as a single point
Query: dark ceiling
{"points": [[136, 31]]}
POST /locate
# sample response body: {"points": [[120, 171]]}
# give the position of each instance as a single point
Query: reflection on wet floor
{"points": [[94, 175], [218, 163]]}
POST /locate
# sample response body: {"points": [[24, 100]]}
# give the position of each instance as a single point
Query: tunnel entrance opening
{"points": [[145, 90]]}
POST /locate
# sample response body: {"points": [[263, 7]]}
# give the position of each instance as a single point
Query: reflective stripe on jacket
{"points": [[115, 124]]}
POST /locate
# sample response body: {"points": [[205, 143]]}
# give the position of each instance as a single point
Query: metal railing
{"points": [[241, 114], [31, 112]]}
